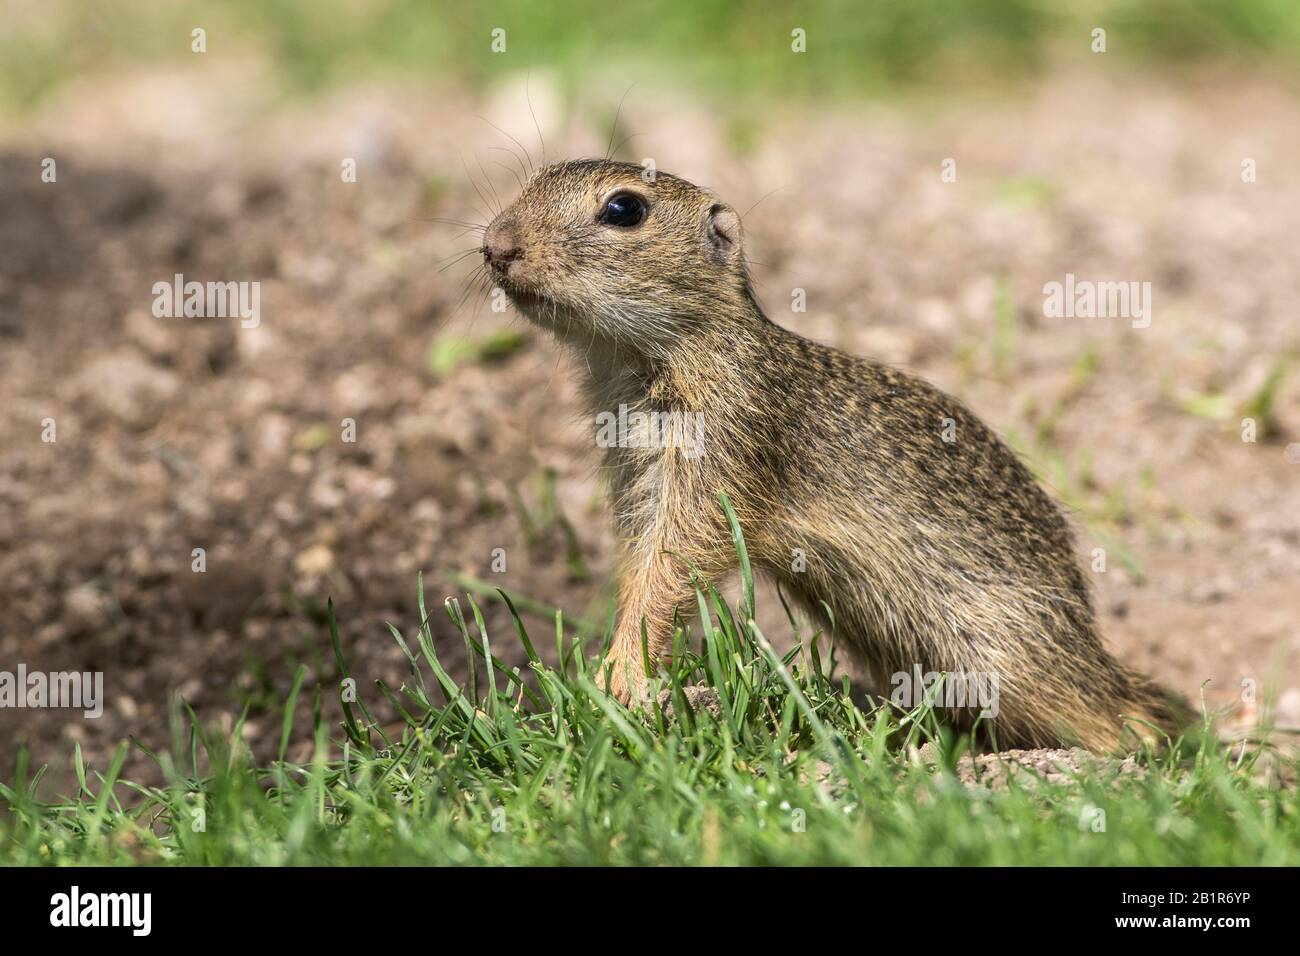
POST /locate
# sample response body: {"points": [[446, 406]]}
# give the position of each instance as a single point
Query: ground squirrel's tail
{"points": [[1151, 711], [1131, 710]]}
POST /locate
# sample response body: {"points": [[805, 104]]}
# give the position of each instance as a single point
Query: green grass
{"points": [[723, 47], [541, 768], [448, 352]]}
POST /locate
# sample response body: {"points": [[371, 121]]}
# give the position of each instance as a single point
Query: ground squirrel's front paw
{"points": [[619, 686]]}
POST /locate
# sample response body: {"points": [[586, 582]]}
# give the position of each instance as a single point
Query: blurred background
{"points": [[225, 164]]}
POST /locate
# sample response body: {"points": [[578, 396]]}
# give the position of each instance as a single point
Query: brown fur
{"points": [[945, 555]]}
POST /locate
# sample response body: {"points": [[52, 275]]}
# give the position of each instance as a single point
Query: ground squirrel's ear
{"points": [[723, 233]]}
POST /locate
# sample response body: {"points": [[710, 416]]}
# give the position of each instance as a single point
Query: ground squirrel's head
{"points": [[595, 248]]}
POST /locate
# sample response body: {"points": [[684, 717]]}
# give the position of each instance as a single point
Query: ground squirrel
{"points": [[924, 534]]}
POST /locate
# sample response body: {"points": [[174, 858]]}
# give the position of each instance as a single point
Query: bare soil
{"points": [[176, 434]]}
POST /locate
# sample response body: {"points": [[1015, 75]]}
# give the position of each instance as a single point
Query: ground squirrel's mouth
{"points": [[527, 298], [524, 298]]}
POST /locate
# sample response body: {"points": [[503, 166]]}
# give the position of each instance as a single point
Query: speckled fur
{"points": [[942, 554]]}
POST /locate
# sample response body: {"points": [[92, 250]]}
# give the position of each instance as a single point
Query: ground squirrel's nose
{"points": [[501, 247]]}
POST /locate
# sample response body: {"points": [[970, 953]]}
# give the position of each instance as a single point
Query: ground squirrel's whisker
{"points": [[527, 155]]}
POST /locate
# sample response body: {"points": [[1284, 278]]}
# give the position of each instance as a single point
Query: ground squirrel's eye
{"points": [[623, 209]]}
